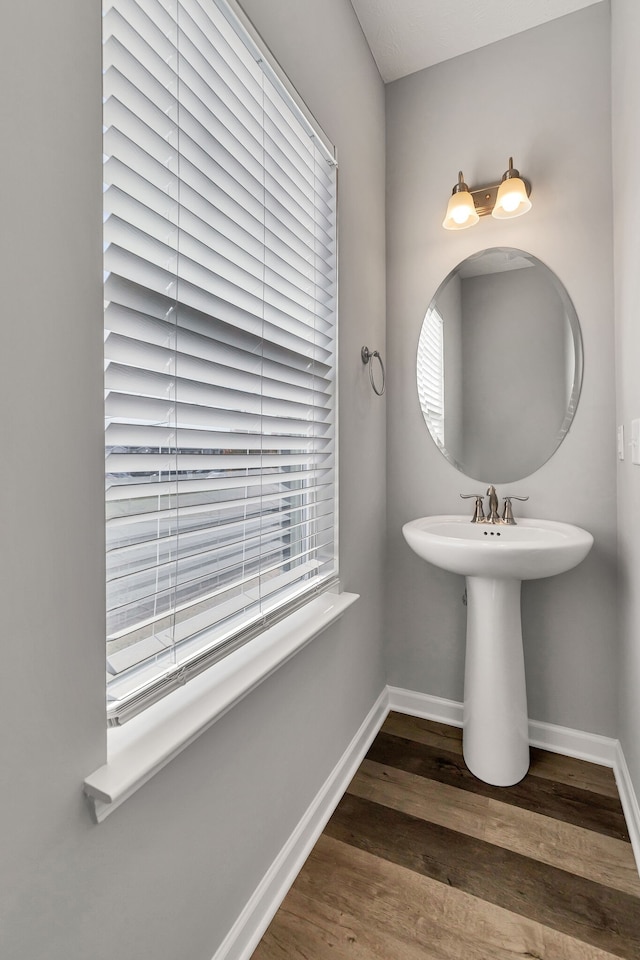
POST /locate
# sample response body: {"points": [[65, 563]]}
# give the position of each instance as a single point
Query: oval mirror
{"points": [[499, 365]]}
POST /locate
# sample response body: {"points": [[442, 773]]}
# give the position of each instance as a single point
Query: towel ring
{"points": [[367, 356]]}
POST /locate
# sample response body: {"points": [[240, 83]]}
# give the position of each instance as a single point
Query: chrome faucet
{"points": [[493, 517], [493, 505]]}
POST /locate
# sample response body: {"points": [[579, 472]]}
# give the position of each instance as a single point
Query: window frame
{"points": [[174, 679]]}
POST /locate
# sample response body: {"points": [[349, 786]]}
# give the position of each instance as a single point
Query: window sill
{"points": [[144, 745]]}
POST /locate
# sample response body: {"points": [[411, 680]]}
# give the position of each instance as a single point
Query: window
{"points": [[430, 373], [220, 344]]}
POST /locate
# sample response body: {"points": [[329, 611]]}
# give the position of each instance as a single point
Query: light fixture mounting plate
{"points": [[484, 198]]}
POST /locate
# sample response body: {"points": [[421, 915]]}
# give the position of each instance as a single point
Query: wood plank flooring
{"points": [[421, 861]]}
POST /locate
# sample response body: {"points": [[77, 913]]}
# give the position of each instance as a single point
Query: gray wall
{"points": [[544, 98], [513, 349], [626, 159], [166, 875]]}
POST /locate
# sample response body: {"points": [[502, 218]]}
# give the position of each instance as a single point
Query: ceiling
{"points": [[408, 35]]}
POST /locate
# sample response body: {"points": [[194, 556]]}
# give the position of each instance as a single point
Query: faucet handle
{"points": [[478, 512], [507, 513]]}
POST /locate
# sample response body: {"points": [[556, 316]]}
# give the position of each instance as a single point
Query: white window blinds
{"points": [[430, 373], [220, 344]]}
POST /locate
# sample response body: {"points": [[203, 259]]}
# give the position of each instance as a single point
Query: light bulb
{"points": [[512, 199], [461, 211], [510, 202], [461, 214]]}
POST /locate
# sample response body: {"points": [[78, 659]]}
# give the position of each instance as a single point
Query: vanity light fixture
{"points": [[509, 198]]}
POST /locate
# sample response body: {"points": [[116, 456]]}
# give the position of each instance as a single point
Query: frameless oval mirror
{"points": [[499, 365]]}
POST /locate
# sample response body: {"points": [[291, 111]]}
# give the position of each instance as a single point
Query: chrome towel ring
{"points": [[367, 357]]}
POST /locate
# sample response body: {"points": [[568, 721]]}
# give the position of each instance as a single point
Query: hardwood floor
{"points": [[421, 861]]}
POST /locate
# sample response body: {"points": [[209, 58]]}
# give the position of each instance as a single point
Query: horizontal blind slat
{"points": [[229, 324]]}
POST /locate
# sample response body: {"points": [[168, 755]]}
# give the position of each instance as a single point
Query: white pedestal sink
{"points": [[495, 558]]}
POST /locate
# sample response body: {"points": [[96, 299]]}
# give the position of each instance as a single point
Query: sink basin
{"points": [[527, 551], [495, 558]]}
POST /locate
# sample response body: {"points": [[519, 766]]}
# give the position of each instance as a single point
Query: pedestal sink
{"points": [[495, 558]]}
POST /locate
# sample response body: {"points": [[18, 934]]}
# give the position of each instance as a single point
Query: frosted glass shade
{"points": [[461, 212], [512, 199]]}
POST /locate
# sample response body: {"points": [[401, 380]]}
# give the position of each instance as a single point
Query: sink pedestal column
{"points": [[495, 727]]}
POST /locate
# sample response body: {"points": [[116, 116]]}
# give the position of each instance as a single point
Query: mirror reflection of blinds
{"points": [[430, 373], [220, 345]]}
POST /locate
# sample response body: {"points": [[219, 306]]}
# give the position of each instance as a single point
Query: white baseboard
{"points": [[573, 743], [246, 932], [424, 705], [628, 800], [548, 736]]}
